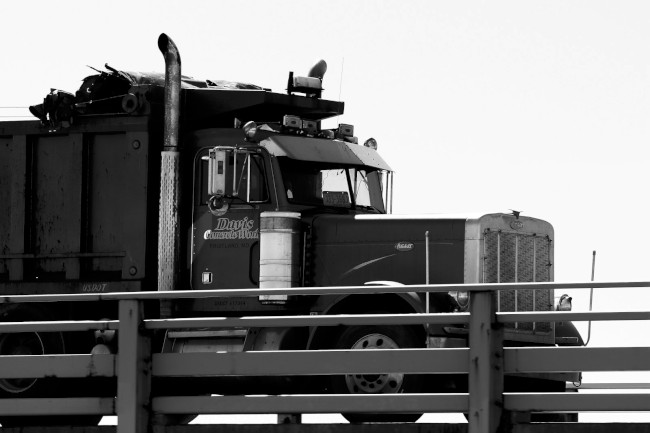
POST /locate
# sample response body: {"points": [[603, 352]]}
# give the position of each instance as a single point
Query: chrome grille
{"points": [[519, 258]]}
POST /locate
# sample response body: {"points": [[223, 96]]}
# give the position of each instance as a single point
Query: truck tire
{"points": [[377, 337], [514, 384], [169, 420], [34, 343], [556, 417]]}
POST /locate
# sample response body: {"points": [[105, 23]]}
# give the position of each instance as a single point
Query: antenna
{"points": [[426, 280], [341, 79], [340, 85], [591, 295]]}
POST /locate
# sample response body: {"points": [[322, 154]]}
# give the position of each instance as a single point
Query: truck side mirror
{"points": [[217, 172], [234, 173], [217, 181]]}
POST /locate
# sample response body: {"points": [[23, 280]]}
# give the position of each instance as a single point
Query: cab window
{"points": [[245, 178]]}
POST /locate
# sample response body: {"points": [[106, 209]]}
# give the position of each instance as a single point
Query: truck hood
{"points": [[355, 249]]}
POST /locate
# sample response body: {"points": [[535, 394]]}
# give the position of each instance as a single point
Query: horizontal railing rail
{"points": [[485, 361], [295, 291]]}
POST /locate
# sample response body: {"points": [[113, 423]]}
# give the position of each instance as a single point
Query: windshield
{"points": [[319, 184]]}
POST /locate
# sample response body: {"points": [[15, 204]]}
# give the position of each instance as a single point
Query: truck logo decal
{"points": [[404, 246], [516, 225], [232, 229]]}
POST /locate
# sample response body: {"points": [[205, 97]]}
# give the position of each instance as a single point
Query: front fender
{"points": [[566, 334], [393, 303], [351, 304]]}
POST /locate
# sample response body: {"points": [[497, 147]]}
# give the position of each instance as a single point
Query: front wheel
{"points": [[519, 384], [377, 337]]}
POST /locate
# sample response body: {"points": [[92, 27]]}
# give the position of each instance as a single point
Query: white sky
{"points": [[542, 107]]}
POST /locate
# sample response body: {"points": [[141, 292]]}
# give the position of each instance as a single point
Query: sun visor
{"points": [[323, 150]]}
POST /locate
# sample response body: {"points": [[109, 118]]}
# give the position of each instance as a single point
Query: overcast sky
{"points": [[542, 107]]}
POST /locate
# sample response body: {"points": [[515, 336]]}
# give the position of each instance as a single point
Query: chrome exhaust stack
{"points": [[168, 224]]}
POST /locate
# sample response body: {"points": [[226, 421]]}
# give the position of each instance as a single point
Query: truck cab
{"points": [[271, 172]]}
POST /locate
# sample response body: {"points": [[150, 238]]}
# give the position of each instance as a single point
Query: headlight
{"points": [[564, 304], [462, 298]]}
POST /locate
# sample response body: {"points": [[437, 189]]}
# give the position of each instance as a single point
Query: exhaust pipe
{"points": [[172, 90], [168, 227]]}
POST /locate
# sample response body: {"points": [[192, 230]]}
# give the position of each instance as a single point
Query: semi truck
{"points": [[152, 181]]}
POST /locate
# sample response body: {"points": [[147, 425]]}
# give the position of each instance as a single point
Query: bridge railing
{"points": [[485, 361]]}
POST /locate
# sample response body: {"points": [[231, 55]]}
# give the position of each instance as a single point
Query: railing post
{"points": [[134, 370], [486, 365]]}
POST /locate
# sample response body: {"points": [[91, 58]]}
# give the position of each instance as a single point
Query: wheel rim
{"points": [[28, 343], [374, 383]]}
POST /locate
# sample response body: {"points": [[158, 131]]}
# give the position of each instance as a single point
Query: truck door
{"points": [[225, 238]]}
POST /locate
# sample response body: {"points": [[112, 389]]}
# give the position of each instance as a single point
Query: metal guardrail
{"points": [[485, 360]]}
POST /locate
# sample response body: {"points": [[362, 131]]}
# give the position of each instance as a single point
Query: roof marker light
{"points": [[310, 127], [327, 133], [345, 131], [292, 122]]}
